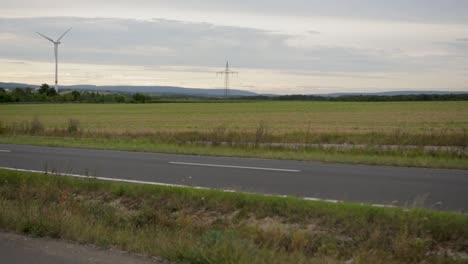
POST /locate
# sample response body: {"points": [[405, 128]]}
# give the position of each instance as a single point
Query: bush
{"points": [[73, 125]]}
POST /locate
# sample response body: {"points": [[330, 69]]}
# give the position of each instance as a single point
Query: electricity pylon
{"points": [[226, 74]]}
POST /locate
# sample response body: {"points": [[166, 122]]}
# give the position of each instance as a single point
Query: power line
{"points": [[226, 74]]}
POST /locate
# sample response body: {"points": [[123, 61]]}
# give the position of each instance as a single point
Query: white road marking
{"points": [[102, 178], [186, 186], [5, 150], [383, 205], [318, 199], [311, 199], [231, 166]]}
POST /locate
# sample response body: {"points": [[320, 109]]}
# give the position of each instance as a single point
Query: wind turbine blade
{"points": [[63, 34], [49, 39]]}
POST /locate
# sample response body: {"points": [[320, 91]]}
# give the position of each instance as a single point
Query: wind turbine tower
{"points": [[226, 74], [56, 43]]}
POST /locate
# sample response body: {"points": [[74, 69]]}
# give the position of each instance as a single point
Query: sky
{"points": [[277, 46]]}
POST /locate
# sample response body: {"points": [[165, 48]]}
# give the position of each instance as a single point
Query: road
{"points": [[380, 185], [20, 249]]}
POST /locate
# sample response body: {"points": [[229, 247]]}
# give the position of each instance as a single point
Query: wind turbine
{"points": [[56, 43]]}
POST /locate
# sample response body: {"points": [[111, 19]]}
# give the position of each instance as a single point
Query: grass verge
{"points": [[371, 156], [209, 226]]}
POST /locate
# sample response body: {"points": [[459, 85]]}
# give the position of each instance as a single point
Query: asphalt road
{"points": [[20, 249], [431, 188]]}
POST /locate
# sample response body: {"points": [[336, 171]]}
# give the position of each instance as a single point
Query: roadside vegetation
{"points": [[209, 226], [422, 134]]}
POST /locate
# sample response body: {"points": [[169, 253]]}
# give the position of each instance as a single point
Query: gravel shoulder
{"points": [[20, 249]]}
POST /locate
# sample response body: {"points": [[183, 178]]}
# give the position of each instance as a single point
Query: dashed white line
{"points": [[383, 205], [5, 150], [325, 200], [231, 166]]}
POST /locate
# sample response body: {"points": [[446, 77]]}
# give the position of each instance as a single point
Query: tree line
{"points": [[48, 94]]}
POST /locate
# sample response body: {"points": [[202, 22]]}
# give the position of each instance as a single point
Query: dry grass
{"points": [[280, 117], [406, 123]]}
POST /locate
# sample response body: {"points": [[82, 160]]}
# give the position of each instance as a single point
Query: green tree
{"points": [[47, 90], [139, 98], [119, 98], [5, 96], [76, 95], [22, 94], [51, 92], [44, 88]]}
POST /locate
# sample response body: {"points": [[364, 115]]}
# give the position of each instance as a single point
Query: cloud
{"points": [[453, 11], [166, 42], [170, 52]]}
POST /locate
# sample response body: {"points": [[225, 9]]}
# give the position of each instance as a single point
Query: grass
{"points": [[208, 226], [245, 129]]}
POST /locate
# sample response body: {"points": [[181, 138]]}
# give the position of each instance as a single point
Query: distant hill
{"points": [[392, 93], [162, 90], [173, 90], [17, 85]]}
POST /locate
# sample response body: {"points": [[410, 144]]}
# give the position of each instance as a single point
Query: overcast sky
{"points": [[295, 46]]}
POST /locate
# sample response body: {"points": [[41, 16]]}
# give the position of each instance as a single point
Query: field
{"points": [[278, 117], [368, 129], [206, 226]]}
